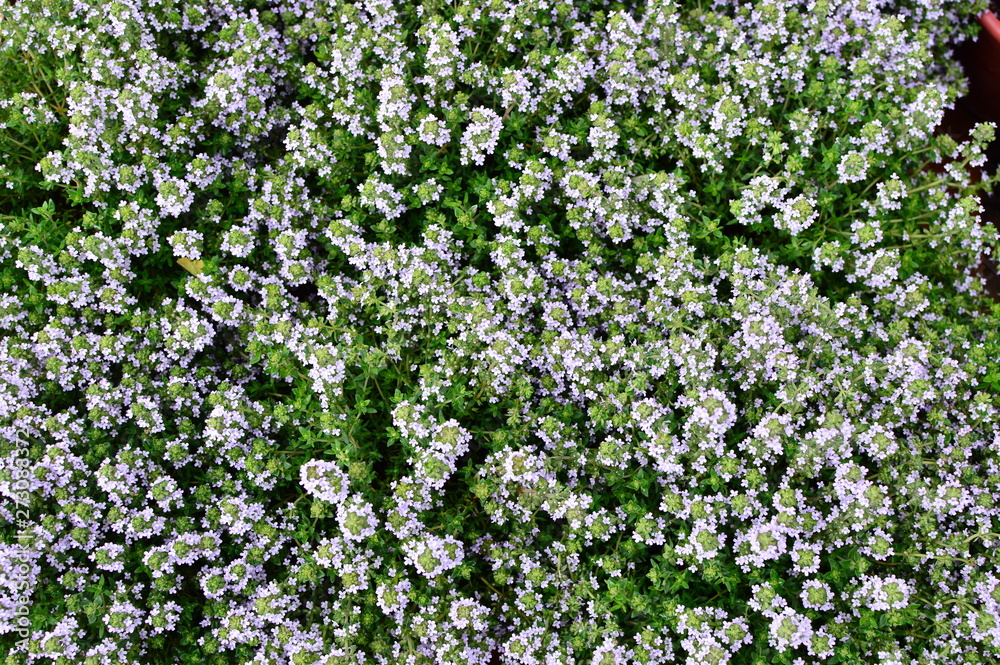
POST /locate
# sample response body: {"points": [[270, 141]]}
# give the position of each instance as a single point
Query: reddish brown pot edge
{"points": [[980, 59], [992, 24]]}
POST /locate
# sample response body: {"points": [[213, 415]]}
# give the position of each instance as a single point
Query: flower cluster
{"points": [[325, 481], [481, 135]]}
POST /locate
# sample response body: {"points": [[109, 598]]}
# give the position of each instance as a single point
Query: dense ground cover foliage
{"points": [[562, 331]]}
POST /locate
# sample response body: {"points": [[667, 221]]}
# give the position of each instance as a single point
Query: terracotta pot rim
{"points": [[992, 25]]}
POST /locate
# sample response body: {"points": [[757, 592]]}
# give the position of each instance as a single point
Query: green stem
{"points": [[983, 536], [930, 185], [490, 586], [21, 145], [480, 393], [379, 388], [899, 220]]}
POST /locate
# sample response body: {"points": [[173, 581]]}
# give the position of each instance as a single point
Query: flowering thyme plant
{"points": [[520, 332]]}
